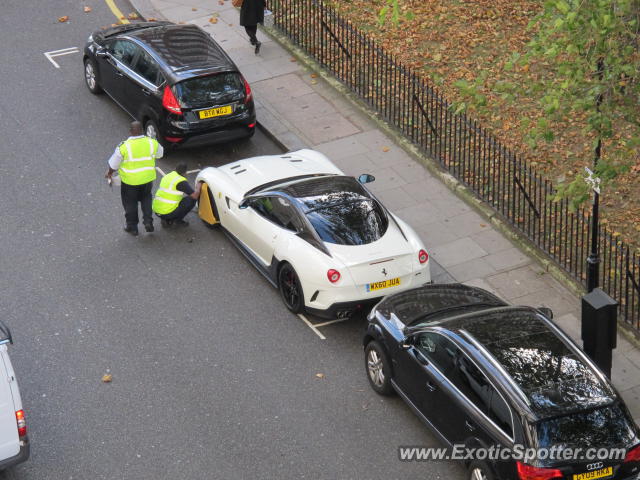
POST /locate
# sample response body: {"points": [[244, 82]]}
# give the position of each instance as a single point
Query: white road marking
{"points": [[193, 171], [160, 170], [312, 327], [58, 53], [330, 322]]}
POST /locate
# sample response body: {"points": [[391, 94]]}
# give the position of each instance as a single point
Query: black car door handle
{"points": [[431, 387], [146, 92], [470, 426], [119, 73]]}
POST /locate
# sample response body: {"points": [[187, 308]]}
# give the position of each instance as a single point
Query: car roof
{"points": [[554, 375], [184, 51]]}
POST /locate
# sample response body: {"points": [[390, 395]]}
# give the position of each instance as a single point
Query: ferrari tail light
{"points": [[170, 102], [21, 423], [248, 94], [527, 472], [333, 275], [423, 256], [633, 455]]}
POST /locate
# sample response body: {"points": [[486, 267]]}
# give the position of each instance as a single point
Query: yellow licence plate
{"points": [[603, 472], [392, 282], [215, 112]]}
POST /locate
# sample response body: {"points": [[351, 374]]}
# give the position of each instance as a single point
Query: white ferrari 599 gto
{"points": [[318, 235]]}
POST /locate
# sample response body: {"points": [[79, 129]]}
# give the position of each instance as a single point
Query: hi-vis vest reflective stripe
{"points": [[167, 197], [138, 160]]}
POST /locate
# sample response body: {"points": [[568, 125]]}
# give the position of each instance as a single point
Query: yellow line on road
{"points": [[116, 11]]}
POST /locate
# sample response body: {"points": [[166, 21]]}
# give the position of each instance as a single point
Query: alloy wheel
{"points": [[150, 131], [290, 290], [477, 474], [374, 365], [90, 75]]}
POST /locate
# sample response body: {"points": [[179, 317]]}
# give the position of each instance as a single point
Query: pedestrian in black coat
{"points": [[251, 14]]}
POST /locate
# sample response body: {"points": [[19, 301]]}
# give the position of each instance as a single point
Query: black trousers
{"points": [[184, 207], [251, 31], [131, 195]]}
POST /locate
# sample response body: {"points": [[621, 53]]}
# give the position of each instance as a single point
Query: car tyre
{"points": [[480, 471], [290, 288], [91, 79], [378, 366]]}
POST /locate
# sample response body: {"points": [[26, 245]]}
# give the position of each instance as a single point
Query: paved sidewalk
{"points": [[301, 110]]}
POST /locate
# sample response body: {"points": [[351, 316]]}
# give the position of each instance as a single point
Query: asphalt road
{"points": [[212, 377]]}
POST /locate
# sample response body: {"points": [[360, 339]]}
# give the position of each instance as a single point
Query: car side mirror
{"points": [[546, 311], [244, 204], [406, 344], [366, 178], [102, 53]]}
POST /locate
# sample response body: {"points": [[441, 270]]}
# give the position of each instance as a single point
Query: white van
{"points": [[14, 443]]}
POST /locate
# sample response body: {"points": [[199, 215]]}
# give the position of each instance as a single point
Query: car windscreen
{"points": [[210, 90], [603, 427], [357, 221]]}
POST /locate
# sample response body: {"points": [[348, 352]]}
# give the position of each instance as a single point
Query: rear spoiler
{"points": [[5, 334]]}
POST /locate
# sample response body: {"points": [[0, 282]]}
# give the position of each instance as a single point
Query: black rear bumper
{"points": [[345, 309], [22, 456], [218, 136]]}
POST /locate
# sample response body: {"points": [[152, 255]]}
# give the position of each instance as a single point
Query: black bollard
{"points": [[599, 328]]}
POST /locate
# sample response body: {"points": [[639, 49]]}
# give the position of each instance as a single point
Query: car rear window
{"points": [[352, 222], [211, 90], [604, 427]]}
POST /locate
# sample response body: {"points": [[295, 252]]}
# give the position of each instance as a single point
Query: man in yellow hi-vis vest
{"points": [[175, 197], [135, 161]]}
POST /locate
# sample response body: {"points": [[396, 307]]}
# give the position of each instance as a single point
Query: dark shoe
{"points": [[166, 223], [181, 223], [131, 230], [258, 48], [148, 227]]}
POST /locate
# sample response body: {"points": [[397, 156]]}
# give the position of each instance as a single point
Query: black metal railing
{"points": [[469, 152]]}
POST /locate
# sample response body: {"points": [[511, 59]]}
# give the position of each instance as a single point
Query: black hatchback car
{"points": [[175, 79], [482, 373]]}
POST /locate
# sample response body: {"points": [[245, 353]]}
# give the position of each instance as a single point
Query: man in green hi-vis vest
{"points": [[175, 197], [135, 161]]}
